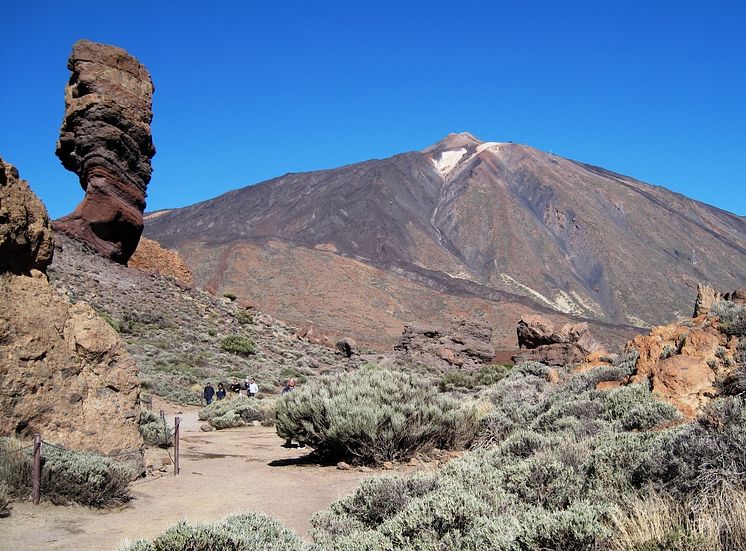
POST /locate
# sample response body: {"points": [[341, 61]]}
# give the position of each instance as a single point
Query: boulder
{"points": [[706, 297], [151, 257], [539, 341], [347, 347], [465, 344], [105, 139], [26, 241]]}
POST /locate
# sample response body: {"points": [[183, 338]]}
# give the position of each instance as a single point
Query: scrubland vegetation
{"points": [[552, 466], [239, 412], [66, 476]]}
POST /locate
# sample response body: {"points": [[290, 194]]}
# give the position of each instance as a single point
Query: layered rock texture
{"points": [[105, 139], [464, 228], [25, 233], [568, 345], [65, 371], [463, 344]]}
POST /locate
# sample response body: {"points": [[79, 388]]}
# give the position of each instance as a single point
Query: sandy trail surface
{"points": [[222, 472]]}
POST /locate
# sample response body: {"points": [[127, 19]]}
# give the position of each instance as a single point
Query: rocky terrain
{"points": [[175, 332], [66, 373], [105, 139], [484, 229], [151, 257]]}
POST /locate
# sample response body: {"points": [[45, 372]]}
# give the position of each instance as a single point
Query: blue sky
{"points": [[246, 91]]}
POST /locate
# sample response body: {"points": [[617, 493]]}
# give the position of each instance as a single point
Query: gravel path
{"points": [[222, 472]]}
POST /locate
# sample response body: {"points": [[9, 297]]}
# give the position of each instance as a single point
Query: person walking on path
{"points": [[252, 389], [221, 391], [208, 393]]}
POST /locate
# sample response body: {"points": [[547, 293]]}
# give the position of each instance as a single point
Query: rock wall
{"points": [[539, 341], [105, 139], [65, 372]]}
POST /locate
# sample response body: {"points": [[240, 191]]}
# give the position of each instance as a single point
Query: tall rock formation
{"points": [[25, 233], [105, 139], [65, 372]]}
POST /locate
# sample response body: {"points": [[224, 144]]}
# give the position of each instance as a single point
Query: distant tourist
{"points": [[208, 393], [221, 391], [289, 387], [253, 389], [235, 388]]}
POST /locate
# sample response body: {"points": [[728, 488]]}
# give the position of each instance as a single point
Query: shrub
{"points": [[226, 414], [734, 383], [243, 317], [239, 345], [154, 430], [732, 317], [704, 456], [373, 415], [5, 500], [237, 532], [67, 476]]}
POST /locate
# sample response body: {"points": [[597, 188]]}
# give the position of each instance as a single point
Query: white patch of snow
{"points": [[637, 322], [448, 161], [461, 275], [493, 146], [562, 302], [588, 304]]}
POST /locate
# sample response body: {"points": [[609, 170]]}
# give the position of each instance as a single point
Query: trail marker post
{"points": [[36, 472], [177, 420]]}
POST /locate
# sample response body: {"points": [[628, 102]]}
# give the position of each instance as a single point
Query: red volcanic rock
{"points": [[105, 139], [151, 257]]}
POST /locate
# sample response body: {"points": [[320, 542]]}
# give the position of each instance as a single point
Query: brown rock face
{"points": [[105, 139], [543, 343], [66, 373], [464, 345], [26, 241], [151, 257]]}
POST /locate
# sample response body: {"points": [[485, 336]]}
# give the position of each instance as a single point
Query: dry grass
{"points": [[656, 522]]}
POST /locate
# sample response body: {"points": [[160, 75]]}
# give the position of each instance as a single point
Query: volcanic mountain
{"points": [[464, 228]]}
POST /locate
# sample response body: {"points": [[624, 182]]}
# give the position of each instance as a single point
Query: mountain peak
{"points": [[454, 141]]}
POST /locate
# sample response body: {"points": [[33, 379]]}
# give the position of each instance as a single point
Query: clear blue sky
{"points": [[246, 91]]}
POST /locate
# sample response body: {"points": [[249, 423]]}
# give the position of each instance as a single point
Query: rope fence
{"points": [[38, 445]]}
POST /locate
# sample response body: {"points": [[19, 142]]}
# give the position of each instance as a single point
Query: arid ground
{"points": [[243, 469]]}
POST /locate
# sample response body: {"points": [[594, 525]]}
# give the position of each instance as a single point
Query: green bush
{"points": [[243, 532], [704, 456], [243, 317], [66, 476], [155, 431], [732, 317], [373, 415], [238, 344], [239, 412]]}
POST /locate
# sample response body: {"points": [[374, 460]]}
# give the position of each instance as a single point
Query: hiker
{"points": [[221, 391], [208, 393], [252, 389], [289, 387], [235, 388]]}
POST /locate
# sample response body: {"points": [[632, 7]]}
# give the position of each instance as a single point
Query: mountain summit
{"points": [[463, 228]]}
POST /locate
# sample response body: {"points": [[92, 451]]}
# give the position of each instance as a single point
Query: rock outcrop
{"points": [[151, 257], [66, 373], [464, 345], [105, 139], [26, 241], [541, 342]]}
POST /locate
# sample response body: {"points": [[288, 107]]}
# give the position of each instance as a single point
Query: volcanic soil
{"points": [[222, 472]]}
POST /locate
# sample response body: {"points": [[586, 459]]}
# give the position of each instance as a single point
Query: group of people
{"points": [[248, 389]]}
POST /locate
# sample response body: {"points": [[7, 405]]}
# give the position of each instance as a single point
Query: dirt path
{"points": [[222, 472]]}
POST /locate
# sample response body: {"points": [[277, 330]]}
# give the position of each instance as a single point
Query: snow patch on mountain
{"points": [[448, 161]]}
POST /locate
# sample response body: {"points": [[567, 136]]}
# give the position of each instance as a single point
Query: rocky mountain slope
{"points": [[464, 228]]}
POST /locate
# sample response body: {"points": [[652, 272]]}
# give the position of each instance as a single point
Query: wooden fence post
{"points": [[36, 473], [177, 420]]}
